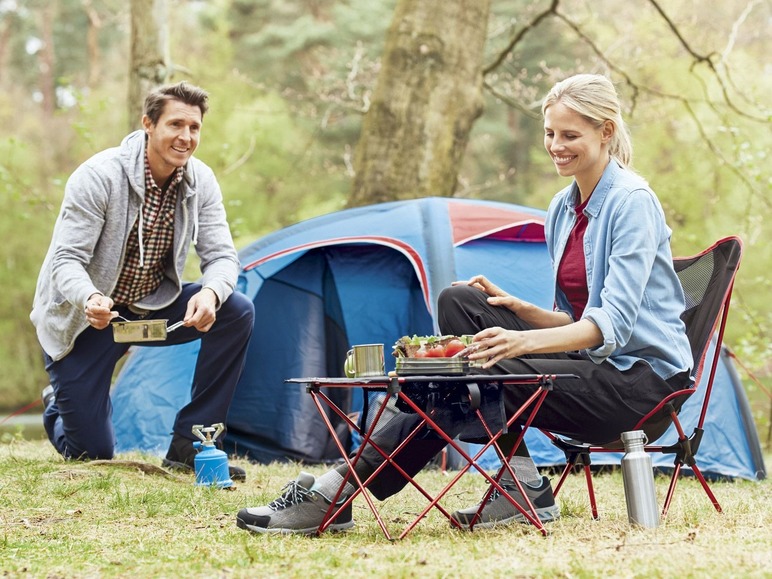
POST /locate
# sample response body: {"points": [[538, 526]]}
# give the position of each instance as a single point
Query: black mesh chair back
{"points": [[707, 281]]}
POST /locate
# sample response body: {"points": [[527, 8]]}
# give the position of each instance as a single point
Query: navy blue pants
{"points": [[79, 422]]}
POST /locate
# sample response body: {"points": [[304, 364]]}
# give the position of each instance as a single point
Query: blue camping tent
{"points": [[371, 275]]}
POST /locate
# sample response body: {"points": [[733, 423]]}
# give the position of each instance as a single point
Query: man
{"points": [[118, 250]]}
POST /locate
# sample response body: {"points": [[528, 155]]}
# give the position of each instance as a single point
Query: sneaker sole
{"points": [[546, 515], [335, 527]]}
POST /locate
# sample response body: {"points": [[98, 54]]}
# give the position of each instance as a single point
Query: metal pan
{"points": [[432, 366], [142, 330]]}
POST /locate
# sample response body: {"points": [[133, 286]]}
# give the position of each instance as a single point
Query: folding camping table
{"points": [[422, 387]]}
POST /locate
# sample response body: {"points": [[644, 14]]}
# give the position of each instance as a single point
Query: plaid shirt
{"points": [[138, 280]]}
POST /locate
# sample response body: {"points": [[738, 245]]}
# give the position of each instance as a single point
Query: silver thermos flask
{"points": [[638, 478]]}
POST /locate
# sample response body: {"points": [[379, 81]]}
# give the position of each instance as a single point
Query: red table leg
{"points": [[391, 386]]}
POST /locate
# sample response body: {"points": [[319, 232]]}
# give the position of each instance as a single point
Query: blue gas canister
{"points": [[211, 464]]}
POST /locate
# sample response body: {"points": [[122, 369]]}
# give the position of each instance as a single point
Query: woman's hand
{"points": [[496, 344], [483, 284], [496, 295]]}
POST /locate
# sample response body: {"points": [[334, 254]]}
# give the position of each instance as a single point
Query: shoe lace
{"points": [[292, 494], [496, 494]]}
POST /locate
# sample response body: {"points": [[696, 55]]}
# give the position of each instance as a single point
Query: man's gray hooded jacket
{"points": [[102, 200]]}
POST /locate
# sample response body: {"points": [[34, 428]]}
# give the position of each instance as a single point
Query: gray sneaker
{"points": [[298, 510], [499, 511]]}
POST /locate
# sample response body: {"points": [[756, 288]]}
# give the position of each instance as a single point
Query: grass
{"points": [[128, 518]]}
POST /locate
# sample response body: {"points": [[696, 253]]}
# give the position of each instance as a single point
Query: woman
{"points": [[615, 325]]}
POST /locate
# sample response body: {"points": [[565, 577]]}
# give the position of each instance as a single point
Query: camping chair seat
{"points": [[707, 280]]}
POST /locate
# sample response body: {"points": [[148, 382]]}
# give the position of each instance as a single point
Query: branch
{"points": [[730, 45], [243, 159], [514, 103], [697, 57], [519, 36], [706, 59], [684, 102], [599, 53], [716, 151], [736, 29]]}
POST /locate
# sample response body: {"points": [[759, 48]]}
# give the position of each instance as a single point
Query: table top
{"points": [[383, 381]]}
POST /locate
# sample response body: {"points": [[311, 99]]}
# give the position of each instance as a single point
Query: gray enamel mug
{"points": [[365, 360]]}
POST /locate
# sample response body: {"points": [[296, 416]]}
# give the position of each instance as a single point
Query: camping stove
{"points": [[211, 463]]}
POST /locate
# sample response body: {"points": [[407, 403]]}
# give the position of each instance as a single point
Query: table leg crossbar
{"points": [[335, 509], [321, 400]]}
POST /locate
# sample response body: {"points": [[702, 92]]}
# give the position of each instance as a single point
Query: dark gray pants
{"points": [[595, 407]]}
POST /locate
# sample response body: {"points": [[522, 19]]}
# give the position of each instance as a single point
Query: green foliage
{"points": [[69, 24], [291, 42], [22, 210], [265, 161]]}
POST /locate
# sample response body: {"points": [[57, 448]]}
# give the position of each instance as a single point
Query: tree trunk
{"points": [[6, 23], [46, 59], [92, 43], [150, 64], [429, 94]]}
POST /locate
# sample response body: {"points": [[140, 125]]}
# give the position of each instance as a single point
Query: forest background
{"points": [[291, 84]]}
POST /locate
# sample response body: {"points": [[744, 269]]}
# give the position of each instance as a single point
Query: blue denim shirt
{"points": [[635, 297]]}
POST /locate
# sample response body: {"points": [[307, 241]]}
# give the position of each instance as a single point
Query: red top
{"points": [[572, 272]]}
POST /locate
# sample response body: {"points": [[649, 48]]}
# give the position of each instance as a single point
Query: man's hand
{"points": [[201, 312], [99, 311]]}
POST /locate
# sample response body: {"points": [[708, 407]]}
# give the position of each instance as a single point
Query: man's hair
{"points": [[182, 91]]}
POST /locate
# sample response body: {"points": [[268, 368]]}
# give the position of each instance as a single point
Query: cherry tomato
{"points": [[453, 347], [421, 352], [435, 352]]}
